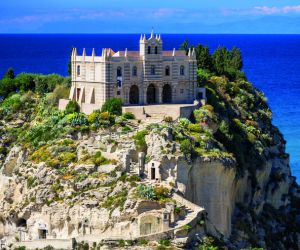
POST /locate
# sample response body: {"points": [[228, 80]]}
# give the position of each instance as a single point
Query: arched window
{"points": [[152, 70], [78, 70], [134, 71], [149, 50], [182, 70], [119, 71], [156, 50], [167, 71]]}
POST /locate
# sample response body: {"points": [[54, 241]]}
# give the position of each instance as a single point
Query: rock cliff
{"points": [[68, 175]]}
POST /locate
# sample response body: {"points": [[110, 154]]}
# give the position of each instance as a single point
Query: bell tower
{"points": [[151, 47]]}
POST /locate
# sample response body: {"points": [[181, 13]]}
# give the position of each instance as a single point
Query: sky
{"points": [[139, 16]]}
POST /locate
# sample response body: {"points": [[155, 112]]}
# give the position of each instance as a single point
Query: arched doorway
{"points": [[167, 94], [134, 95], [151, 94]]}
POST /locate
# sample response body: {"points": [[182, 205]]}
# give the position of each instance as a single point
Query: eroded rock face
{"points": [[31, 192], [212, 185]]}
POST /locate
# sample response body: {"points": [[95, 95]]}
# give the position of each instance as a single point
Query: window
{"points": [[118, 92], [152, 70], [134, 71], [156, 50], [78, 90], [167, 71], [78, 70], [149, 50], [182, 70], [181, 91], [119, 71]]}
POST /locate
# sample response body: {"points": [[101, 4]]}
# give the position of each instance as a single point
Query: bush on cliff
{"points": [[23, 82], [113, 106], [72, 107], [139, 140]]}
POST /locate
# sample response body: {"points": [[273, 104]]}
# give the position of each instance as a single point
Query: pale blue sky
{"points": [[135, 16]]}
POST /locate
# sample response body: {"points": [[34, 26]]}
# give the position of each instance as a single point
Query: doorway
{"points": [[151, 94], [134, 95], [167, 94]]}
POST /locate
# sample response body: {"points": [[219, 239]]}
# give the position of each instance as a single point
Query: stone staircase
{"points": [[175, 231], [192, 210]]}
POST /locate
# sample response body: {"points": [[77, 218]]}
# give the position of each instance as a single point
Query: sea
{"points": [[271, 63]]}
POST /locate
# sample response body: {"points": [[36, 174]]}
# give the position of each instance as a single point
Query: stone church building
{"points": [[148, 76]]}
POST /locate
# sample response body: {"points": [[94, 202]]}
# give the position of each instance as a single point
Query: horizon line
{"points": [[134, 33]]}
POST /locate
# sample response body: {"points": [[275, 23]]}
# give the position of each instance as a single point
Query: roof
{"points": [[129, 53], [177, 53]]}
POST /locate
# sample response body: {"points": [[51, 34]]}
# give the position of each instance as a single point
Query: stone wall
{"points": [[40, 244]]}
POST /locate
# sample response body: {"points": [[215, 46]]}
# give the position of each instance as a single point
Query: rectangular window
{"points": [[181, 91], [118, 92], [78, 93]]}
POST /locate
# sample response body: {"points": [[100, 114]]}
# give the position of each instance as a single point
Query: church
{"points": [[145, 77]]}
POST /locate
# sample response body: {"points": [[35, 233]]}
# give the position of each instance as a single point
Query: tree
{"points": [[219, 59], [41, 85], [7, 86], [204, 60], [236, 60], [25, 82], [185, 46], [113, 106], [10, 74]]}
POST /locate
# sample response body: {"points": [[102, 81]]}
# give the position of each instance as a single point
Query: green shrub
{"points": [[3, 150], [72, 107], [195, 128], [126, 129], [161, 192], [177, 210], [202, 76], [25, 82], [30, 181], [117, 200], [60, 92], [186, 228], [98, 119], [208, 244], [113, 106], [121, 243], [143, 242], [10, 74], [186, 147], [184, 122], [165, 242], [40, 155], [67, 158], [77, 119], [146, 192], [139, 140], [20, 248], [7, 86], [43, 132], [48, 248], [128, 115], [168, 119], [12, 103]]}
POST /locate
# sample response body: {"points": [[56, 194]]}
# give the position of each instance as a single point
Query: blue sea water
{"points": [[271, 62]]}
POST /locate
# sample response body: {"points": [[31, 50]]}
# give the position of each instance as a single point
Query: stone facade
{"points": [[147, 76]]}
